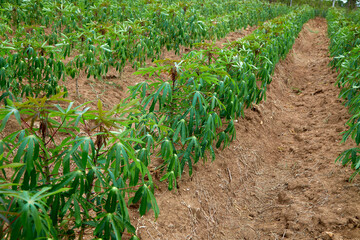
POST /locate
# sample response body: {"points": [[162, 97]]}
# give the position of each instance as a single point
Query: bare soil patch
{"points": [[278, 179]]}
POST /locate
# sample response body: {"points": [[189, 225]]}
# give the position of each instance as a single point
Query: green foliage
{"points": [[354, 15], [72, 168], [45, 41], [345, 48], [26, 70], [344, 35]]}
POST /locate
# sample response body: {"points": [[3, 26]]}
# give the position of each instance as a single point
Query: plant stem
{"points": [[77, 87]]}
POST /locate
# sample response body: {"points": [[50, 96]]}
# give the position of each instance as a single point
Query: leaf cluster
{"points": [[344, 32], [71, 168]]}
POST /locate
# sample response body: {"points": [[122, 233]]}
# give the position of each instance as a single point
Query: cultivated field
{"points": [[178, 120]]}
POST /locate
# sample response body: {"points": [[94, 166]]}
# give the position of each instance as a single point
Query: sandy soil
{"points": [[278, 179]]}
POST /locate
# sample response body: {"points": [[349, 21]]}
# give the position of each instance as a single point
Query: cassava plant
{"points": [[345, 50], [73, 168], [178, 101], [29, 69]]}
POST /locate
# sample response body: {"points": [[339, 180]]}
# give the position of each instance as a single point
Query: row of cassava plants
{"points": [[69, 168], [345, 50], [199, 97], [46, 41], [354, 15], [77, 13]]}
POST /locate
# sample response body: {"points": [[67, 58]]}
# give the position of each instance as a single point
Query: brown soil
{"points": [[278, 179]]}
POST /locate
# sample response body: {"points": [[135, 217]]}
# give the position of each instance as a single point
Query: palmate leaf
{"points": [[199, 100], [148, 200], [181, 129], [66, 160], [121, 158], [29, 149], [166, 96], [208, 78], [33, 211], [216, 103], [149, 141], [139, 88], [166, 149], [350, 156], [114, 222], [170, 176], [103, 226], [6, 113], [116, 225], [118, 183]]}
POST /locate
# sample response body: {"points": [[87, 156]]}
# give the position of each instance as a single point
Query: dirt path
{"points": [[278, 180]]}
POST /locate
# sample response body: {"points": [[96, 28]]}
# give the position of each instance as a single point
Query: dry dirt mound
{"points": [[278, 179]]}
